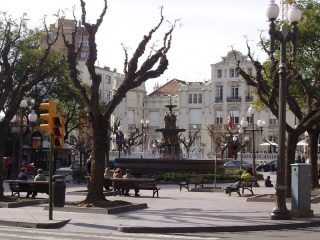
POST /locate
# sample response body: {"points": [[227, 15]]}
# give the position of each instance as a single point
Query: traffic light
{"points": [[51, 106], [58, 138]]}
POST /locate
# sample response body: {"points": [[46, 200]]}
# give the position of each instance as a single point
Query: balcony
{"points": [[234, 99], [273, 126], [218, 99], [249, 98]]}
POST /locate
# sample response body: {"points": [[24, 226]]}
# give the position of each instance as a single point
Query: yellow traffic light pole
{"points": [[50, 176], [55, 129]]}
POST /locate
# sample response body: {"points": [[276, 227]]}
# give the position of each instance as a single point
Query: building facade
{"points": [[199, 104]]}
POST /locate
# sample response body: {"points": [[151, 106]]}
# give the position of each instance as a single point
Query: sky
{"points": [[210, 29]]}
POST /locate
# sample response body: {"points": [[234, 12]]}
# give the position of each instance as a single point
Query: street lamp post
{"points": [[260, 124], [283, 36], [14, 130], [32, 118], [306, 134], [144, 128]]}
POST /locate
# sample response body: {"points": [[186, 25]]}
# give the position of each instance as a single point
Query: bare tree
{"points": [[188, 141], [154, 65]]}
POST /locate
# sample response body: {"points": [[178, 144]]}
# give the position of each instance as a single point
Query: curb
{"points": [[113, 210], [24, 203], [50, 224], [246, 228]]}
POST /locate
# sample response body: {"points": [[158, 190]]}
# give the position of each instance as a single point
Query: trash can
{"points": [[58, 190]]}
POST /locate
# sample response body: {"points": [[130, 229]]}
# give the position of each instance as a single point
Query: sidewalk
{"points": [[172, 212]]}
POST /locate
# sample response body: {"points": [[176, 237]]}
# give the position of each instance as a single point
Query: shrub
{"points": [[178, 177], [79, 174]]}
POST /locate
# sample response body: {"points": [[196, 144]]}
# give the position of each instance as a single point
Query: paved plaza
{"points": [[172, 212]]}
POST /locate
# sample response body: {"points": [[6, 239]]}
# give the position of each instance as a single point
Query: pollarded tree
{"points": [[302, 96], [22, 66], [153, 66]]}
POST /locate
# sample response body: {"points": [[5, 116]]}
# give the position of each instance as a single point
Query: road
{"points": [[12, 233]]}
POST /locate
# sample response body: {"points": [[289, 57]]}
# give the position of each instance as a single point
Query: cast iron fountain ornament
{"points": [[169, 144]]}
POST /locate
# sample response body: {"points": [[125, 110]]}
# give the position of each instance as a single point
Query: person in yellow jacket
{"points": [[247, 174]]}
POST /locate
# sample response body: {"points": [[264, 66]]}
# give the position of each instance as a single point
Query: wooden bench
{"points": [[107, 183], [196, 180], [17, 186], [244, 184], [134, 183]]}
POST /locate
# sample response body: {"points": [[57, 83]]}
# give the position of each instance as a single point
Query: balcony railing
{"points": [[249, 98], [234, 99], [218, 99], [273, 126]]}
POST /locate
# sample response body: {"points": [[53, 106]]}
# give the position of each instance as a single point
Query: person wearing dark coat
{"points": [[267, 182], [23, 176], [88, 165]]}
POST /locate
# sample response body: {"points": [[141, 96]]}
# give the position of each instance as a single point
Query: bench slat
{"points": [[134, 183]]}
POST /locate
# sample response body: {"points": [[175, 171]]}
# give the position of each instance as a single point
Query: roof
{"points": [[170, 88]]}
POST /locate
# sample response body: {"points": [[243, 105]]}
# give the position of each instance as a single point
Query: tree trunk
{"points": [[313, 156], [290, 159], [2, 140], [95, 186]]}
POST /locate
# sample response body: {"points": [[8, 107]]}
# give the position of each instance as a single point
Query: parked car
{"points": [[235, 165], [267, 167]]}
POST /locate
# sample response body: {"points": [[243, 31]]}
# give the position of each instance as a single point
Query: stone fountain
{"points": [[170, 159], [169, 144]]}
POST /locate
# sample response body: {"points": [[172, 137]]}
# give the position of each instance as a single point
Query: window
{"points": [[237, 74], [250, 71], [220, 92], [218, 117], [235, 116], [106, 94], [108, 79], [154, 119], [219, 73], [273, 119], [234, 92], [85, 43], [232, 72], [249, 118], [195, 98], [83, 54], [49, 36], [195, 117]]}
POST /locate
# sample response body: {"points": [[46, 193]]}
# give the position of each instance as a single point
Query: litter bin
{"points": [[59, 190]]}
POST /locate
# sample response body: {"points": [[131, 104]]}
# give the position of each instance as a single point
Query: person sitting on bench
{"points": [[39, 177], [247, 174], [128, 175], [23, 176]]}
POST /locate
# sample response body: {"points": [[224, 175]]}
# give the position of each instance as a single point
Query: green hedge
{"points": [[177, 177]]}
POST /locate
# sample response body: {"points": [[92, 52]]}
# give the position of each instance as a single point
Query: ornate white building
{"points": [[199, 103]]}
